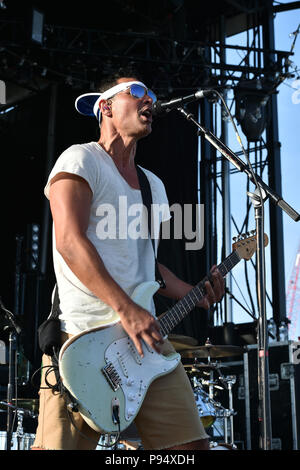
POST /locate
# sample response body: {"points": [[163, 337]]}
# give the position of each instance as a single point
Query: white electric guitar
{"points": [[101, 368]]}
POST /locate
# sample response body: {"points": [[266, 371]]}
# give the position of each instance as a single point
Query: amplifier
{"points": [[284, 383]]}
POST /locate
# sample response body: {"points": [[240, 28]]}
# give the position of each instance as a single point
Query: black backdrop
{"points": [[170, 152]]}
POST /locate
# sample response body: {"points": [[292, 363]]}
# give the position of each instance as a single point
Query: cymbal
{"points": [[199, 365], [181, 342], [212, 351], [197, 368]]}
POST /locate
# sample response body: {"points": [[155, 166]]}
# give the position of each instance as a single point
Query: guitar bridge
{"points": [[112, 376]]}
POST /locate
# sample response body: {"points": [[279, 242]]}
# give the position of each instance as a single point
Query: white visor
{"points": [[88, 104]]}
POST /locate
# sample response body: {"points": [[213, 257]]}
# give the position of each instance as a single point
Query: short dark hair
{"points": [[111, 80]]}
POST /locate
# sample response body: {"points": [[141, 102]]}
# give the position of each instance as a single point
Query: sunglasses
{"points": [[138, 91]]}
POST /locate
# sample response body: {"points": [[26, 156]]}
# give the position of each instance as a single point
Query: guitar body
{"points": [[101, 368]]}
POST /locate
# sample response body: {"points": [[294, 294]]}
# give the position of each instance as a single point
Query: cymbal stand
{"points": [[14, 330], [227, 413], [210, 387], [211, 381], [230, 381], [20, 429]]}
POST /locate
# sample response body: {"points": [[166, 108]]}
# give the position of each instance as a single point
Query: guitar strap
{"points": [[147, 201], [49, 331], [55, 306]]}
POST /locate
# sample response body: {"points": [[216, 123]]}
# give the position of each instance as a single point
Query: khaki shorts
{"points": [[168, 415]]}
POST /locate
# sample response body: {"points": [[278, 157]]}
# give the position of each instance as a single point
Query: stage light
{"points": [[2, 92], [37, 28], [33, 246], [250, 108], [7, 110]]}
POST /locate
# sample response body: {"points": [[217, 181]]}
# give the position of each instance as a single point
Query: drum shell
{"points": [[206, 407]]}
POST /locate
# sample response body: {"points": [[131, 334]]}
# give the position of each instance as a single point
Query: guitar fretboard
{"points": [[181, 309]]}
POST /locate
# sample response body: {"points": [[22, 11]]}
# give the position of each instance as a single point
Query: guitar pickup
{"points": [[123, 366], [134, 353], [111, 376]]}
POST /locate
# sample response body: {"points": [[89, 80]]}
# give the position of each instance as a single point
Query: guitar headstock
{"points": [[245, 245]]}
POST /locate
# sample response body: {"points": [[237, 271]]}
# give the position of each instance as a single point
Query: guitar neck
{"points": [[181, 309]]}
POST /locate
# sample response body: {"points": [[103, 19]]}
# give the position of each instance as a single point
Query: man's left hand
{"points": [[214, 291]]}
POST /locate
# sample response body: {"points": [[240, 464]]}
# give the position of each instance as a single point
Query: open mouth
{"points": [[146, 114]]}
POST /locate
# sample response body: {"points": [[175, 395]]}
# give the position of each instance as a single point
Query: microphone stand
{"points": [[258, 197], [13, 329]]}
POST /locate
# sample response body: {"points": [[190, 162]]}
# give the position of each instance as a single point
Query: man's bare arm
{"points": [[70, 202]]}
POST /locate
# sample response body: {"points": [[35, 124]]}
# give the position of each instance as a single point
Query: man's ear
{"points": [[105, 108]]}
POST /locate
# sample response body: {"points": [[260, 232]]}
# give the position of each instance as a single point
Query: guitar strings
{"points": [[190, 303], [187, 301]]}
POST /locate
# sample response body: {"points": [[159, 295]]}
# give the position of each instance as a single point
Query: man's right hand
{"points": [[140, 325]]}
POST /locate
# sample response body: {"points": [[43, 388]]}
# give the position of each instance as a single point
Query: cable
{"points": [[243, 150], [246, 221], [239, 140], [50, 369], [253, 314], [245, 154], [70, 416]]}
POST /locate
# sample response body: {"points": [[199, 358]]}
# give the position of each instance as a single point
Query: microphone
{"points": [[166, 106]]}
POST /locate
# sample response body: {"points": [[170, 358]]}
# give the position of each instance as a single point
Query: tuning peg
{"points": [[253, 232], [235, 239]]}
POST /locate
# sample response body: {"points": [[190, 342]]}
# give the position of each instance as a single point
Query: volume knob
{"points": [[129, 382]]}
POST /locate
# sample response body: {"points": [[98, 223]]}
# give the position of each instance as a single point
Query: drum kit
{"points": [[205, 377]]}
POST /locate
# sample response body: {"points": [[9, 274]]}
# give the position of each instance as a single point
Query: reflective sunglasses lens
{"points": [[152, 96], [137, 91]]}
